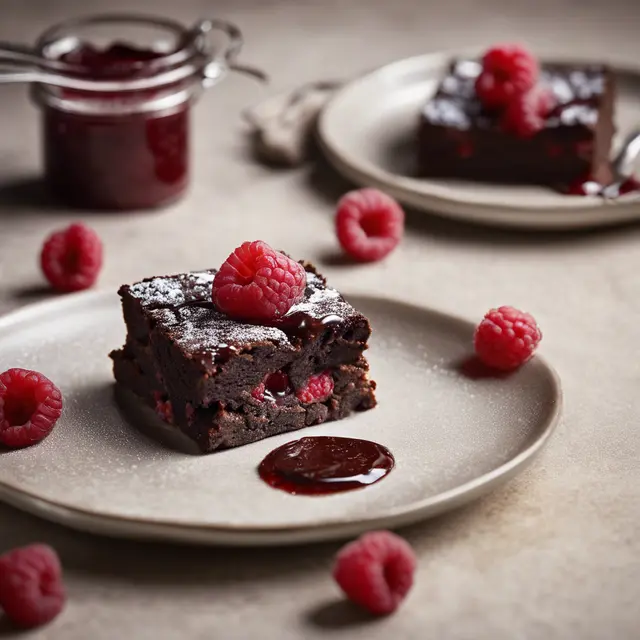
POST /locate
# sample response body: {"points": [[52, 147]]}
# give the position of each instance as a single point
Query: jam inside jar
{"points": [[120, 140]]}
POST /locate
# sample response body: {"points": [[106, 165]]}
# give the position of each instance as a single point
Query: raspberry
{"points": [[164, 408], [31, 588], [630, 185], [258, 392], [317, 389], [507, 71], [506, 338], [258, 283], [275, 385], [71, 259], [376, 571], [524, 115], [369, 224], [545, 99], [30, 405]]}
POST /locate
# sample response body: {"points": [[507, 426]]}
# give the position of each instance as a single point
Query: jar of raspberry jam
{"points": [[116, 126]]}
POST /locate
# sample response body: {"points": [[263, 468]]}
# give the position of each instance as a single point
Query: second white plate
{"points": [[368, 131]]}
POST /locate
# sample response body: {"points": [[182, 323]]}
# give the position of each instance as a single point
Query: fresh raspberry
{"points": [[275, 385], [258, 283], [376, 571], [258, 392], [545, 100], [369, 224], [317, 389], [164, 408], [31, 588], [630, 185], [524, 115], [506, 338], [507, 71], [71, 259], [30, 405]]}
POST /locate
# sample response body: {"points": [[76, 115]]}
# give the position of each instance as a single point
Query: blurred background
{"points": [[555, 555]]}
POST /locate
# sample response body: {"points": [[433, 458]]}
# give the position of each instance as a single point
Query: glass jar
{"points": [[116, 135]]}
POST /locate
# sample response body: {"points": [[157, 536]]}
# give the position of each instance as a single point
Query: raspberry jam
{"points": [[318, 465], [116, 120], [132, 161]]}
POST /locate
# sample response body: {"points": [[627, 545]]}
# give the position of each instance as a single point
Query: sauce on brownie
{"points": [[590, 187], [323, 310], [319, 465]]}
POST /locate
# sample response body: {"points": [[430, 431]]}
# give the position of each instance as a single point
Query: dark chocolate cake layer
{"points": [[198, 368], [459, 138], [247, 419]]}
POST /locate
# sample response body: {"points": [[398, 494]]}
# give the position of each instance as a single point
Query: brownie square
{"points": [[198, 368], [458, 138]]}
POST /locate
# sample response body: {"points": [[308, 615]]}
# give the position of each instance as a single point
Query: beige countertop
{"points": [[555, 554]]}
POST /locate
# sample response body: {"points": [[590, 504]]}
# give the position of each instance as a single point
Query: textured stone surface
{"points": [[556, 554]]}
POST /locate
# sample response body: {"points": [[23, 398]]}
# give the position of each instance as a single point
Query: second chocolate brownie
{"points": [[458, 138]]}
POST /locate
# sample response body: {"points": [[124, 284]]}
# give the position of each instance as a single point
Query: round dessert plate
{"points": [[369, 132], [454, 436]]}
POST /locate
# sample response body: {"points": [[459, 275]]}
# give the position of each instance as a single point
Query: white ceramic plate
{"points": [[454, 438], [368, 131]]}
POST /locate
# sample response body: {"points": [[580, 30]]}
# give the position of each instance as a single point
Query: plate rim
{"points": [[93, 521], [588, 211]]}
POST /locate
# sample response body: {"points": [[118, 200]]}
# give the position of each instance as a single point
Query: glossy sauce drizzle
{"points": [[589, 187], [318, 465], [298, 325]]}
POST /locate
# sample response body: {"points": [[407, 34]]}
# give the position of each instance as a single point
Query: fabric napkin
{"points": [[283, 125]]}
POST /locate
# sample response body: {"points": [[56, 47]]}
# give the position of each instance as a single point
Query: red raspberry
{"points": [[258, 392], [164, 408], [545, 100], [258, 283], [369, 224], [71, 259], [318, 388], [507, 71], [30, 405], [275, 385], [630, 185], [585, 186], [506, 338], [31, 588], [376, 571], [524, 115]]}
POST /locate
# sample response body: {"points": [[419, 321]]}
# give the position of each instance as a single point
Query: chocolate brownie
{"points": [[459, 138], [199, 368]]}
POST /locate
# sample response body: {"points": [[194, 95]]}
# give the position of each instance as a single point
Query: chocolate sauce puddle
{"points": [[319, 465]]}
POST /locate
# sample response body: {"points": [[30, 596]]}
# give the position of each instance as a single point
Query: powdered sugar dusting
{"points": [[206, 333], [170, 291], [321, 301], [209, 334]]}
